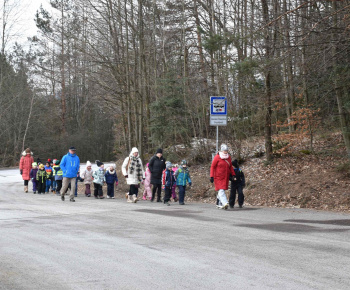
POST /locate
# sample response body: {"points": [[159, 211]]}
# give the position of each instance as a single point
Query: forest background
{"points": [[108, 75]]}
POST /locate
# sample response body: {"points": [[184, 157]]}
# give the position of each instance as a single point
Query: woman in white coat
{"points": [[132, 170]]}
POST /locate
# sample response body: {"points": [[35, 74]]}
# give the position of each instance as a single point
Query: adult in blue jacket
{"points": [[70, 164]]}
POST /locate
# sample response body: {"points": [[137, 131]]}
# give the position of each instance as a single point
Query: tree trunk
{"points": [[202, 63], [63, 81], [268, 102], [344, 114]]}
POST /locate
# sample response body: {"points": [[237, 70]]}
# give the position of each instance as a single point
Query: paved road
{"points": [[108, 244]]}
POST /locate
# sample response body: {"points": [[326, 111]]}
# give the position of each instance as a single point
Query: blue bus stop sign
{"points": [[218, 106]]}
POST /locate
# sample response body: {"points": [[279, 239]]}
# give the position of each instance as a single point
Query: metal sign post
{"points": [[218, 115]]}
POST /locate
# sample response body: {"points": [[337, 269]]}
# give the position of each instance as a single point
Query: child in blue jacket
{"points": [[182, 176], [111, 177]]}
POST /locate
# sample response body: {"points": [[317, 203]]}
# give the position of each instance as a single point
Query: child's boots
{"points": [[134, 198], [129, 198]]}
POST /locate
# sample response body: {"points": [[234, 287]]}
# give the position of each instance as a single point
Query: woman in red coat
{"points": [[25, 165], [220, 171]]}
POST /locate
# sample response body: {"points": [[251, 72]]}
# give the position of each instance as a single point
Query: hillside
{"points": [[318, 181], [298, 180]]}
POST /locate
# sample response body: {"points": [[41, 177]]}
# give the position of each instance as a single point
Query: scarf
{"points": [[223, 155], [135, 164]]}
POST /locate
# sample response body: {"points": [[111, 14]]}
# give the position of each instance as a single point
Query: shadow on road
{"points": [[345, 223], [245, 209], [290, 228], [179, 213]]}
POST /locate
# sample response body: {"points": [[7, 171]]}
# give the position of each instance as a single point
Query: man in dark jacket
{"points": [[237, 185], [156, 166]]}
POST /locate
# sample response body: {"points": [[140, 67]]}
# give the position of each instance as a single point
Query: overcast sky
{"points": [[22, 20]]}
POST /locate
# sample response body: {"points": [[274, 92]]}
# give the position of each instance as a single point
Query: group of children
{"points": [[98, 178], [172, 177], [48, 177]]}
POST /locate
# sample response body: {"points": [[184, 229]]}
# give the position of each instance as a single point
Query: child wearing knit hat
{"points": [[32, 175], [49, 174], [168, 181], [99, 180], [182, 176], [111, 178], [58, 175], [41, 178], [237, 185], [87, 176]]}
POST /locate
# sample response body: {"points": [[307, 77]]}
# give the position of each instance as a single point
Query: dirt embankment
{"points": [[296, 180]]}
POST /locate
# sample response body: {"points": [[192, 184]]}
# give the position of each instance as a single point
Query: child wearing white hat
{"points": [[87, 176]]}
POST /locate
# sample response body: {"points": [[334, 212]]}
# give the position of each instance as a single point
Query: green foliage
{"points": [[247, 66], [168, 119], [213, 42], [43, 20], [15, 96]]}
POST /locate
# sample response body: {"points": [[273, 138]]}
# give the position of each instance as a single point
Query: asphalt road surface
{"points": [[110, 244]]}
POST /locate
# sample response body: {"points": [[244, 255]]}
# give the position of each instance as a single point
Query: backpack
{"points": [[163, 177]]}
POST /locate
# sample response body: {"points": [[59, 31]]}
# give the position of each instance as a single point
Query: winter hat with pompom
{"points": [[224, 147], [34, 164], [168, 165], [88, 163]]}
